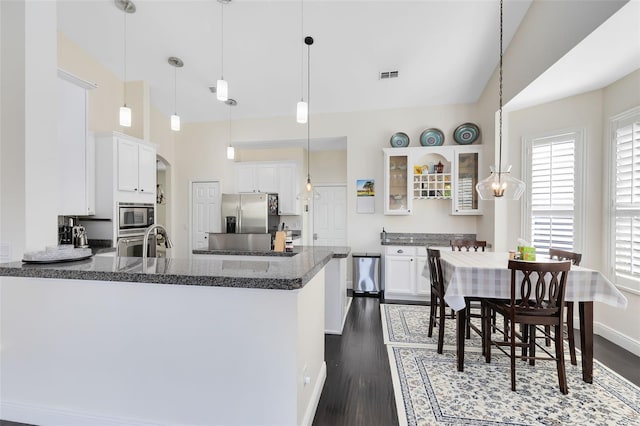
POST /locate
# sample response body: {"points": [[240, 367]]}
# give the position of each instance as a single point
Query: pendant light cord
{"points": [[175, 90], [302, 50], [124, 56], [500, 99], [308, 108], [221, 41]]}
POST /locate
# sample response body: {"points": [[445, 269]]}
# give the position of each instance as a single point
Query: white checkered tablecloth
{"points": [[485, 274]]}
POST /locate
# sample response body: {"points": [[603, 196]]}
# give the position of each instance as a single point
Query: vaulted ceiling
{"points": [[444, 51]]}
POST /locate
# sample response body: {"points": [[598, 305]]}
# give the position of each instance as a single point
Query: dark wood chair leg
{"points": [[524, 329], [532, 344], [487, 335], [547, 331], [562, 376], [432, 314], [570, 333], [513, 355], [441, 324], [468, 328]]}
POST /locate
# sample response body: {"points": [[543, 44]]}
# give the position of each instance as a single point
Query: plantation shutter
{"points": [[553, 193], [627, 197]]}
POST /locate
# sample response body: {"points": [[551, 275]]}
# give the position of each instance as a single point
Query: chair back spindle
{"points": [[467, 244]]}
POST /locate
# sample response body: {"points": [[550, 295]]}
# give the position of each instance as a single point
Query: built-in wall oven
{"points": [[133, 220]]}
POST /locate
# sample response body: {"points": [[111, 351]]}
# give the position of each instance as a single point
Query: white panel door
{"points": [[330, 216], [267, 178], [205, 209], [399, 274], [288, 190], [423, 285]]}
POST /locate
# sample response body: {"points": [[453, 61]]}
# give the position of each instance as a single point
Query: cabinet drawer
{"points": [[400, 250]]}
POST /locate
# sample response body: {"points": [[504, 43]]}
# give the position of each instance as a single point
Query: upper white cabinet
{"points": [[398, 176], [426, 173], [126, 172], [75, 147], [271, 177], [255, 177], [136, 167]]}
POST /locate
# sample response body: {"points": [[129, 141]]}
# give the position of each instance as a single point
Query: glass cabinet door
{"points": [[398, 176], [466, 177]]}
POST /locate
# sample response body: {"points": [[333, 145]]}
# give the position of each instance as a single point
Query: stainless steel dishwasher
{"points": [[366, 273]]}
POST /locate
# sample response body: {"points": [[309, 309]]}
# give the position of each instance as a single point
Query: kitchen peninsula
{"points": [[192, 341]]}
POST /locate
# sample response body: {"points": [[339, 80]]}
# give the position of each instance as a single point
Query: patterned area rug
{"points": [[430, 391], [409, 325]]}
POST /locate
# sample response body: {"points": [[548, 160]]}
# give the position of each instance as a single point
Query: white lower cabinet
{"points": [[403, 266]]}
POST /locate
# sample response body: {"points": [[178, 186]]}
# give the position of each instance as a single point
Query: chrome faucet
{"points": [[167, 242]]}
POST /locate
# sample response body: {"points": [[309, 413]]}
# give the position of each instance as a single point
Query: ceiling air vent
{"points": [[388, 74]]}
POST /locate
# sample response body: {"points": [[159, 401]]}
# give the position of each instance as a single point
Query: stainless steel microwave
{"points": [[134, 218]]}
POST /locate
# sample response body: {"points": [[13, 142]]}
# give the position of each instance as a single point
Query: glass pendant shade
{"points": [[175, 122], [500, 185], [222, 90], [231, 153], [125, 116], [302, 112]]}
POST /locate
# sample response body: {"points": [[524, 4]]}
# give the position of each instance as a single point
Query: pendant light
{"points": [[308, 41], [222, 88], [175, 118], [231, 152], [302, 108], [500, 184], [127, 6]]}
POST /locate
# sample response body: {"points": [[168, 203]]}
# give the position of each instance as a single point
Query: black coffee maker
{"points": [[231, 224], [65, 232]]}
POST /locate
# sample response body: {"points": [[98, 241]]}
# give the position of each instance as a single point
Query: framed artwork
{"points": [[365, 196]]}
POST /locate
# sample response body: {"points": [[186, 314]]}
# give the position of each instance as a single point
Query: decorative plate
{"points": [[432, 137], [399, 140], [466, 134]]}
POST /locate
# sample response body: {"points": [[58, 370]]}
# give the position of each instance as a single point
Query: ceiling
{"points": [[444, 50]]}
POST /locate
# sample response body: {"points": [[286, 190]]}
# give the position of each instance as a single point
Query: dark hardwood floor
{"points": [[358, 389]]}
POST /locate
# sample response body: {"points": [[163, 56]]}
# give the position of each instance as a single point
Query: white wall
{"points": [[29, 81], [202, 156]]}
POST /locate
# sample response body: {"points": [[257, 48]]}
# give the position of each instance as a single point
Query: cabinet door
{"points": [[127, 165], [423, 285], [398, 178], [288, 190], [399, 274], [146, 169], [267, 178], [245, 178], [465, 196]]}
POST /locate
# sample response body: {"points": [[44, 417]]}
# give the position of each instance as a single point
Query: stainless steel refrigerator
{"points": [[250, 213]]}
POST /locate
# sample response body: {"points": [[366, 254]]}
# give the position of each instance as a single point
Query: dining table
{"points": [[486, 275]]}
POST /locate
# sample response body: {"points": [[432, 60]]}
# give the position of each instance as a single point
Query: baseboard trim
{"points": [[310, 412], [616, 337], [38, 415]]}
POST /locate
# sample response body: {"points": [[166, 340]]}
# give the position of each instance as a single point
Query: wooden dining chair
{"points": [[537, 298], [467, 244], [575, 259], [438, 307], [473, 305]]}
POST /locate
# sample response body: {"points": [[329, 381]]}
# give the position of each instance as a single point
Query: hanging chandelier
{"points": [[500, 183]]}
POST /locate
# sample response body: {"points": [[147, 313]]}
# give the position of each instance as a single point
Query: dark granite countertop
{"points": [[288, 273], [338, 252], [418, 239]]}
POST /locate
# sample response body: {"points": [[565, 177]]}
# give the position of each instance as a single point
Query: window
{"points": [[625, 190], [552, 214]]}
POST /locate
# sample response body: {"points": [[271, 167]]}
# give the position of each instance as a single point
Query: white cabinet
{"points": [[398, 177], [254, 177], [136, 167], [271, 177], [288, 189], [75, 148], [411, 174], [466, 166], [403, 280]]}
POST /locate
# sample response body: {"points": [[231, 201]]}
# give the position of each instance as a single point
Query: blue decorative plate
{"points": [[432, 137], [399, 140], [466, 134]]}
